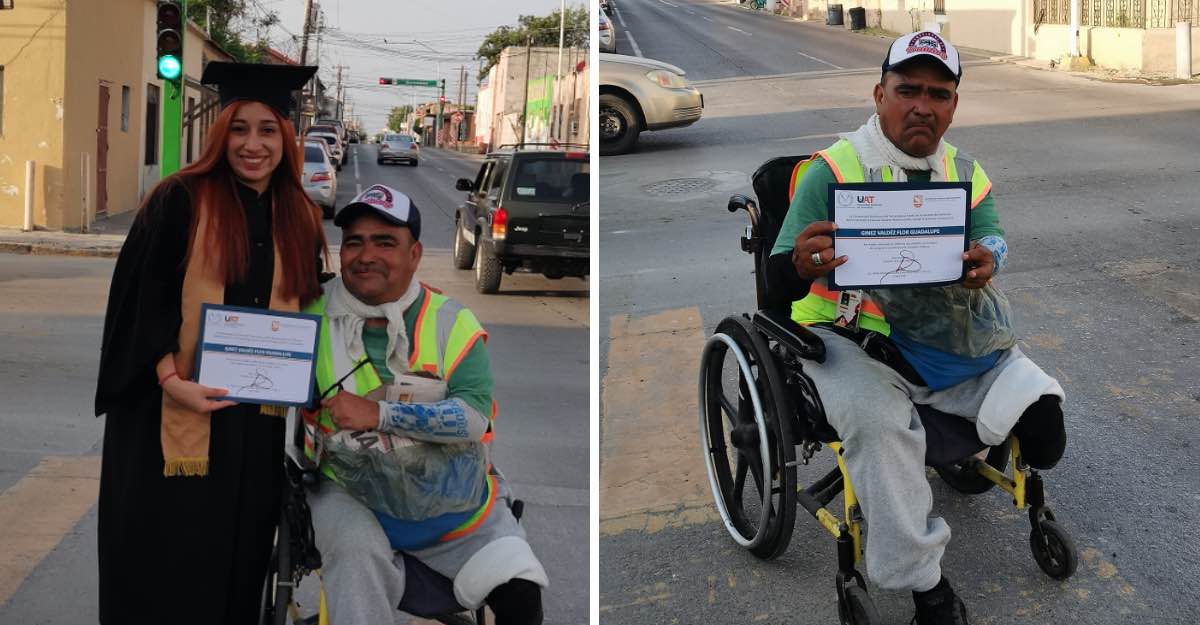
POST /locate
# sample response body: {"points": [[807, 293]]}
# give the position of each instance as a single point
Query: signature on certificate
{"points": [[259, 381], [908, 264]]}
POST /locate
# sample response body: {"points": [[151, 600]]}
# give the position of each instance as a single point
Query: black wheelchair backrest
{"points": [[773, 186]]}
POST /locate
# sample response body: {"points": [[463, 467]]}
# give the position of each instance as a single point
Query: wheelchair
{"points": [[758, 411], [428, 594]]}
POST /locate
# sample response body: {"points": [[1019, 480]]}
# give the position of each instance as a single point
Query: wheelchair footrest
{"points": [[795, 337]]}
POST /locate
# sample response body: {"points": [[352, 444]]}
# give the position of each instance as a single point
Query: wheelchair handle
{"points": [[741, 202]]}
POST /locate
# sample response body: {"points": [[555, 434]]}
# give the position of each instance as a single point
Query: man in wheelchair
{"points": [[869, 396], [402, 438]]}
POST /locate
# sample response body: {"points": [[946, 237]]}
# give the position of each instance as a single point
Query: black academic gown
{"points": [[180, 550]]}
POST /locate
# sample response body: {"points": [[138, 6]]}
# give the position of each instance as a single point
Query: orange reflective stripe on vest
{"points": [[818, 289]]}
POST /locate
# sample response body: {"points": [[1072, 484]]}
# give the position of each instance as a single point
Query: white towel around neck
{"points": [[347, 314]]}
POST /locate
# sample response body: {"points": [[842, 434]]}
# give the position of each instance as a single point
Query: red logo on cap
{"points": [[929, 43], [377, 196]]}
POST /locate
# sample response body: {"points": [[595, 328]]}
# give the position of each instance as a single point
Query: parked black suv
{"points": [[526, 209]]}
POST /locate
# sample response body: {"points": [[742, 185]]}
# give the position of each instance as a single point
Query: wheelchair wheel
{"points": [[746, 427], [962, 476], [277, 589], [858, 608], [1055, 551]]}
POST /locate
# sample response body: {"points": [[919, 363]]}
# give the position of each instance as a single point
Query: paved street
{"points": [[51, 316], [1096, 188]]}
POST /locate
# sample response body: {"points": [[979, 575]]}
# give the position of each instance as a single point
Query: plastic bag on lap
{"points": [[966, 322]]}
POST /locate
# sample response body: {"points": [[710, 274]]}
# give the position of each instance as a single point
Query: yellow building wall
{"points": [[102, 49], [32, 52]]}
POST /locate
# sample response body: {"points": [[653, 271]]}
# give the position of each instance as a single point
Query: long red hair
{"points": [[296, 222]]}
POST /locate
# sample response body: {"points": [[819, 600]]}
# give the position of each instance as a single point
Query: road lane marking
{"points": [[819, 60], [358, 189], [620, 18], [739, 30], [356, 176], [636, 49], [669, 4], [628, 35], [651, 460], [39, 510], [706, 18]]}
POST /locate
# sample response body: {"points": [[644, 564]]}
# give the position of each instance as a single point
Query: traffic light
{"points": [[170, 40]]}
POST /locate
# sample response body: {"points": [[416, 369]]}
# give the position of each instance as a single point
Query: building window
{"points": [[151, 125], [939, 7], [125, 108]]}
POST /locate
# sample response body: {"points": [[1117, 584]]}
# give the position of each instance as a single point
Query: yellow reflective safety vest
{"points": [[820, 305], [444, 332]]}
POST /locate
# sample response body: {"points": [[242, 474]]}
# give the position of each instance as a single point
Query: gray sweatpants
{"points": [[871, 407], [364, 579]]}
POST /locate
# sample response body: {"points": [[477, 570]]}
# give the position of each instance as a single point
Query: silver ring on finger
{"points": [[816, 258]]}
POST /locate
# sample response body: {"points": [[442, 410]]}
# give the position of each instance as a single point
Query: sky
{"points": [[397, 39]]}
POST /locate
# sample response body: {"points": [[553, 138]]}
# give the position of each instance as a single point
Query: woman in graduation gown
{"points": [[190, 484]]}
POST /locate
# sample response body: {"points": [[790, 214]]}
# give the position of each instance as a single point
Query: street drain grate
{"points": [[680, 185]]}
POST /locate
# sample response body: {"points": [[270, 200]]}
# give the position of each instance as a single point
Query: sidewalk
{"points": [[105, 239]]}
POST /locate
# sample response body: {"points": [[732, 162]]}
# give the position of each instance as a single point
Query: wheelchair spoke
{"points": [[730, 411], [756, 470], [739, 479]]}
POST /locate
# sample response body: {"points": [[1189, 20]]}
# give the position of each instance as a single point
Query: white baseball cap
{"points": [[386, 202], [922, 44]]}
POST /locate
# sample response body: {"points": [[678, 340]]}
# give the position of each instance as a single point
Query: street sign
{"points": [[408, 82]]}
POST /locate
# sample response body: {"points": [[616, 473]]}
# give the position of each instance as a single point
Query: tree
{"points": [[542, 30], [221, 18], [397, 117]]}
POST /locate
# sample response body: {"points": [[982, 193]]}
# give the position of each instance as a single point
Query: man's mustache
{"points": [[369, 268]]}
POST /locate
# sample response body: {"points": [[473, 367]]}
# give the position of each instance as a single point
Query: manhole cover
{"points": [[680, 185]]}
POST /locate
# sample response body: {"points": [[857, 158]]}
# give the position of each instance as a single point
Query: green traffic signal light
{"points": [[169, 67], [170, 39]]}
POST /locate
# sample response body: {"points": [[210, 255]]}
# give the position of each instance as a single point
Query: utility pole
{"points": [[340, 94], [525, 105], [437, 126], [304, 61]]}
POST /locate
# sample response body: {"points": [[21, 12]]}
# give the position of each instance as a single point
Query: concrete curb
{"points": [[101, 246]]}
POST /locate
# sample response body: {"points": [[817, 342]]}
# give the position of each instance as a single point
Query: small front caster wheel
{"points": [[858, 609], [1054, 550]]}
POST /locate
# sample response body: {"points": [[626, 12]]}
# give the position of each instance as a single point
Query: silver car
{"points": [[335, 146], [608, 34], [638, 94], [320, 177], [397, 147]]}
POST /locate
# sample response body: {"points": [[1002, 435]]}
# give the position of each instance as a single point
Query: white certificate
{"points": [[899, 234], [259, 356]]}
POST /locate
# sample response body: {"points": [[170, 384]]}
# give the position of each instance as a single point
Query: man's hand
{"points": [[815, 239], [351, 412], [982, 265]]}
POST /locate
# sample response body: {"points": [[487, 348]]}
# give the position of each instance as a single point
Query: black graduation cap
{"points": [[270, 84]]}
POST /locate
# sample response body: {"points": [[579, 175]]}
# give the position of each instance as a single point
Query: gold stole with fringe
{"points": [[185, 433]]}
